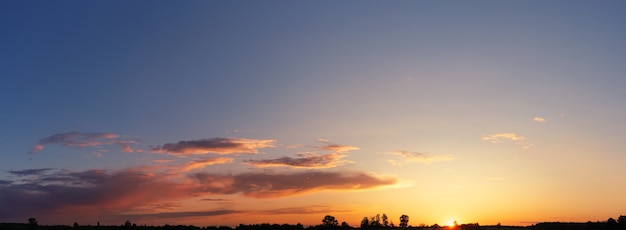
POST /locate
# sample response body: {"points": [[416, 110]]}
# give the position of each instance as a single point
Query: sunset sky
{"points": [[229, 112]]}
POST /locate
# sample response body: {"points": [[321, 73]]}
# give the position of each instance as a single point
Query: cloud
{"points": [[201, 163], [30, 172], [539, 119], [181, 214], [500, 137], [306, 161], [215, 145], [214, 199], [81, 140], [337, 148], [263, 185], [105, 195], [316, 209], [86, 194], [278, 211], [416, 157]]}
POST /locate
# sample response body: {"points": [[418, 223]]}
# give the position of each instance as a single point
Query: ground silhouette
{"points": [[377, 222]]}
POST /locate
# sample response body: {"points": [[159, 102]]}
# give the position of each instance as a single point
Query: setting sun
{"points": [[451, 223]]}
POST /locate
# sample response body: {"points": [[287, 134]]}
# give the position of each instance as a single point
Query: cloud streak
{"points": [[417, 157], [306, 161], [81, 140], [182, 214], [30, 172], [500, 137], [215, 145], [201, 163], [539, 119], [263, 185], [337, 148]]}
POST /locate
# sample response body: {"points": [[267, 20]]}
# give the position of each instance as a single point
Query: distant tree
{"points": [[330, 221], [404, 221], [385, 220], [32, 223], [75, 225], [375, 221], [611, 221], [128, 224], [365, 223], [345, 225], [621, 220]]}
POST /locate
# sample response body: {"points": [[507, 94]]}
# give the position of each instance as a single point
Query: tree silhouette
{"points": [[330, 221], [621, 220], [385, 220], [375, 221], [32, 223], [365, 222], [611, 221], [404, 221]]}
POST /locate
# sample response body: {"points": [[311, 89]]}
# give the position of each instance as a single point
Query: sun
{"points": [[451, 223]]}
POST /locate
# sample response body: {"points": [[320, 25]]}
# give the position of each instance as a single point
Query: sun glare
{"points": [[451, 223]]}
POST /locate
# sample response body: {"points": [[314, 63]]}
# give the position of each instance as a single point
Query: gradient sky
{"points": [[228, 112]]}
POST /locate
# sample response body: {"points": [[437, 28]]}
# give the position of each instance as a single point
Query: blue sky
{"points": [[502, 95]]}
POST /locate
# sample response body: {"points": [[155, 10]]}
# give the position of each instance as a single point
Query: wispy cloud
{"points": [[305, 161], [338, 148], [201, 163], [30, 172], [500, 137], [181, 214], [263, 185], [335, 147], [317, 209], [214, 199], [539, 119], [215, 145], [417, 157], [81, 140]]}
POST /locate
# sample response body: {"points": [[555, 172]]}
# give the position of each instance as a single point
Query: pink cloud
{"points": [[215, 145], [307, 161], [201, 163], [263, 185], [86, 194], [58, 196]]}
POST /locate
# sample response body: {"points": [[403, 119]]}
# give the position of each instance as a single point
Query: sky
{"points": [[229, 112]]}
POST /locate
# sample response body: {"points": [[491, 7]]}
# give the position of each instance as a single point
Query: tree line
{"points": [[329, 222]]}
